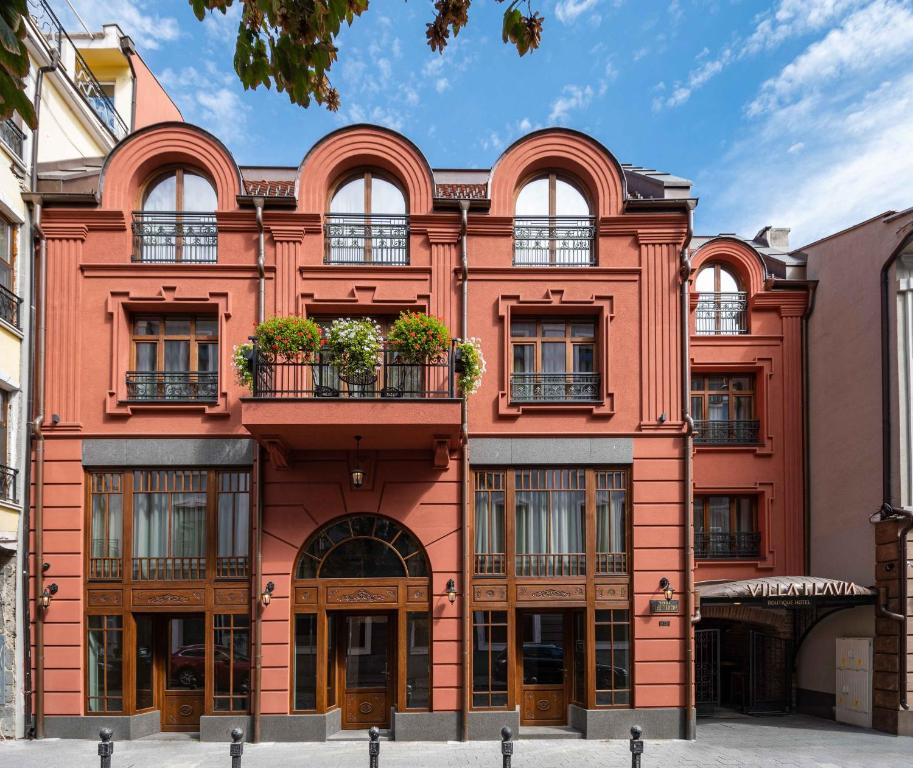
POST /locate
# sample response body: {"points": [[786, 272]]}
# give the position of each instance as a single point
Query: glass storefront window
{"points": [[613, 658], [106, 525], [489, 658], [306, 661], [231, 662], [106, 673], [418, 658], [144, 661]]}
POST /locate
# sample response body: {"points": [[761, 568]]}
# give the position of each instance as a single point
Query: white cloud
{"points": [[868, 39], [441, 84], [148, 29], [573, 97], [210, 99], [568, 11], [223, 27]]}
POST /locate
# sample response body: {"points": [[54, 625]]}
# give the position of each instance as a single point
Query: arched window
{"points": [[177, 222], [553, 225], [367, 222], [362, 547], [722, 304]]}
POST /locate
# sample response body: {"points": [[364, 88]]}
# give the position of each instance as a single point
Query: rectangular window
{"points": [[306, 661], [613, 658], [723, 408], [6, 254], [418, 661], [231, 666], [489, 524], [105, 663], [145, 697], [550, 507], [169, 524], [553, 360], [4, 426], [725, 527], [174, 358], [234, 525], [331, 661], [489, 658], [107, 523], [611, 522]]}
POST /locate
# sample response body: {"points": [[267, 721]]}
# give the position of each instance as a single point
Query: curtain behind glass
{"points": [[188, 526], [532, 522], [150, 524], [489, 523], [567, 514]]}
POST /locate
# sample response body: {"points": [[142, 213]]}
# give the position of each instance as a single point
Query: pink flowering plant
{"points": [[292, 339], [418, 337]]}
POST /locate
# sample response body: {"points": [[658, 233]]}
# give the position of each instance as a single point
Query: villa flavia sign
{"points": [[664, 606]]}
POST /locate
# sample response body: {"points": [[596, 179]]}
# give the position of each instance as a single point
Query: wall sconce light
{"points": [[358, 474], [666, 586], [44, 599], [451, 591], [267, 594]]}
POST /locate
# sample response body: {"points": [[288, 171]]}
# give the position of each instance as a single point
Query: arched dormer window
{"points": [[722, 305], [367, 222], [177, 222], [553, 224]]}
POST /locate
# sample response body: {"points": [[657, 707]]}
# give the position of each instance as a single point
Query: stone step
{"points": [[549, 732], [360, 735]]}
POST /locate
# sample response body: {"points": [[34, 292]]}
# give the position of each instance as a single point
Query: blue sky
{"points": [[788, 112]]}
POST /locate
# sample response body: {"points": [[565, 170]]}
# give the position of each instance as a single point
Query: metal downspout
{"points": [[261, 262], [464, 457], [687, 462], [258, 538]]}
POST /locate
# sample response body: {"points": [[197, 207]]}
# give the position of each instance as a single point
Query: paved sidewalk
{"points": [[787, 742]]}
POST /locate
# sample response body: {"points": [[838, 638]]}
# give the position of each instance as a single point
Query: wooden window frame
{"points": [[105, 631], [231, 630], [368, 175], [718, 268], [8, 259], [705, 393], [178, 172], [734, 499], [106, 567], [612, 623], [4, 426], [570, 341], [490, 483], [193, 338], [488, 623]]}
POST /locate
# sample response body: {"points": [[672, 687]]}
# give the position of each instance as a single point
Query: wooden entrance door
{"points": [[182, 649], [368, 652], [542, 653]]}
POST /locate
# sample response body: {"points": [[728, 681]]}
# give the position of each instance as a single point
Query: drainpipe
{"points": [[464, 456], [256, 608], [691, 611], [261, 263]]}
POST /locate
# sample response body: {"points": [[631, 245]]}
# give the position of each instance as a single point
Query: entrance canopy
{"points": [[785, 592]]}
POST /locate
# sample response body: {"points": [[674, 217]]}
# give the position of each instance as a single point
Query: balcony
{"points": [[169, 568], [171, 237], [92, 92], [727, 546], [556, 241], [9, 307], [358, 239], [172, 386], [8, 477], [554, 387], [712, 432], [721, 314], [399, 405], [13, 137], [551, 564]]}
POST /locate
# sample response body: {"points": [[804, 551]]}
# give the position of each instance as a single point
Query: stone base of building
{"points": [[124, 727], [658, 723], [317, 727], [486, 726], [426, 726], [896, 721], [219, 727]]}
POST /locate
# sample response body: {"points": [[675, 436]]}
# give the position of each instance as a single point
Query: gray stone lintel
{"points": [[426, 726], [576, 451], [167, 452]]}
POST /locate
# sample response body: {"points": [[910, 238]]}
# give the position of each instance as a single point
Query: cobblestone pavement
{"points": [[788, 742]]}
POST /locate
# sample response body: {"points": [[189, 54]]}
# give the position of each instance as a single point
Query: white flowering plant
{"points": [[354, 346], [471, 366], [243, 364]]}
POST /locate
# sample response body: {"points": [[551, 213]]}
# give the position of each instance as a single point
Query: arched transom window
{"points": [[361, 547], [722, 304], [367, 222], [553, 225], [177, 221]]}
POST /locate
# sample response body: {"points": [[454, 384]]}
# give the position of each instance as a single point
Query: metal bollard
{"points": [[507, 747], [637, 745], [237, 747], [373, 746], [105, 747]]}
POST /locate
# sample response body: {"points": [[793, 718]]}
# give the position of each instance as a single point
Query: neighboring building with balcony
{"points": [[298, 547], [94, 89]]}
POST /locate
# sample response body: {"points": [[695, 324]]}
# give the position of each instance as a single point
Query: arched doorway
{"points": [[362, 623]]}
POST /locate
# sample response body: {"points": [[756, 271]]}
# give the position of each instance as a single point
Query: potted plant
{"points": [[242, 360], [418, 338], [354, 347], [469, 365], [290, 339]]}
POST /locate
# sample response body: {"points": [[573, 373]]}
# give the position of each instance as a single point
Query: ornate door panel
{"points": [[543, 668], [184, 647], [368, 670]]}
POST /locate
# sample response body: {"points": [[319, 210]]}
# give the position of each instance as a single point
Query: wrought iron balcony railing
{"points": [[50, 28], [366, 239], [172, 386], [713, 432], [554, 241], [727, 546], [9, 307], [392, 377], [8, 477], [13, 137], [168, 237], [721, 314], [554, 387]]}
